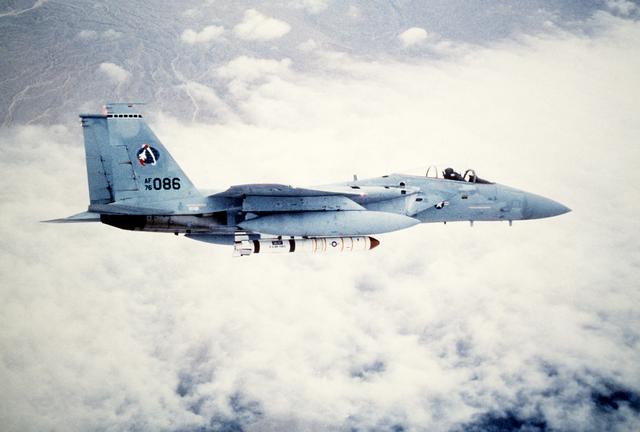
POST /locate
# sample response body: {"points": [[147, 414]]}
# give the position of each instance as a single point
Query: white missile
{"points": [[316, 245]]}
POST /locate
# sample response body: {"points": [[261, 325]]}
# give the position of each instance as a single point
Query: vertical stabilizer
{"points": [[127, 163], [96, 140]]}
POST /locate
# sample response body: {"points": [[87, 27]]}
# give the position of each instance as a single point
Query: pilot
{"points": [[450, 174]]}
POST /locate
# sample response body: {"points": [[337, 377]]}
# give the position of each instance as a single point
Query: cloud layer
{"points": [[440, 328]]}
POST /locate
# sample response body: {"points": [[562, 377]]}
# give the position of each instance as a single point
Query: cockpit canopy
{"points": [[449, 173]]}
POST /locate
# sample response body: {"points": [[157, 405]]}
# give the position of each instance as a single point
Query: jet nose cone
{"points": [[540, 207]]}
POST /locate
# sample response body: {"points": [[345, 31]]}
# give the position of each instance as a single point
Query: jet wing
{"points": [[257, 203], [258, 198], [279, 190]]}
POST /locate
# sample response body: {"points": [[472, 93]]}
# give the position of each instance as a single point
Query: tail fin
{"points": [[127, 163]]}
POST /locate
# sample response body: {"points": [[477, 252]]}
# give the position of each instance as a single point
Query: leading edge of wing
{"points": [[280, 190]]}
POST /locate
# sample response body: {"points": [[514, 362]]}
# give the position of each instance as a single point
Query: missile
{"points": [[315, 245]]}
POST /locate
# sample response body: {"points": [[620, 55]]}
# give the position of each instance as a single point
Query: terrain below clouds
{"points": [[81, 54]]}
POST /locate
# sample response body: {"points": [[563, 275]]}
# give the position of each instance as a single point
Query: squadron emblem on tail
{"points": [[147, 155]]}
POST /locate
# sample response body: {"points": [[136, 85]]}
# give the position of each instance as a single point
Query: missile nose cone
{"points": [[374, 243], [540, 207]]}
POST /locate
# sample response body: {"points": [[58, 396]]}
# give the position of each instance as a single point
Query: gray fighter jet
{"points": [[135, 184]]}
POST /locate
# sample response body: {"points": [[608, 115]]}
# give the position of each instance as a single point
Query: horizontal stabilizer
{"points": [[120, 209], [80, 217]]}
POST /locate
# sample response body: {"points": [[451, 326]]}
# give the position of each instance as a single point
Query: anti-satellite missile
{"points": [[320, 245]]}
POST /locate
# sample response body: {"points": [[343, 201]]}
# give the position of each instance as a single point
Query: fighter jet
{"points": [[135, 184]]}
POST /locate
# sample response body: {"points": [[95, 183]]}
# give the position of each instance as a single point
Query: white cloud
{"points": [[416, 36], [437, 326], [116, 73], [206, 98], [354, 12], [256, 26], [244, 73], [413, 36], [311, 6], [621, 7], [87, 34], [207, 34], [308, 45], [251, 69], [190, 13], [111, 34]]}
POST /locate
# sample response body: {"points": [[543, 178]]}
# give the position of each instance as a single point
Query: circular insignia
{"points": [[148, 155], [334, 243]]}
